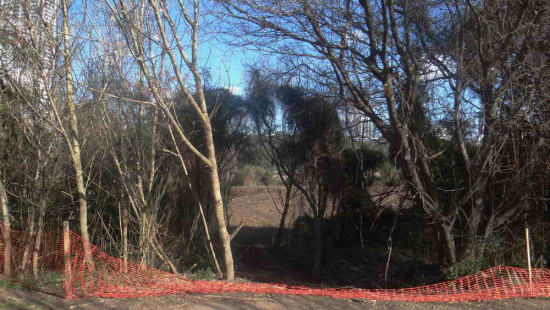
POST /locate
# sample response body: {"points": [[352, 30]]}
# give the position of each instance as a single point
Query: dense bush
{"points": [[250, 175]]}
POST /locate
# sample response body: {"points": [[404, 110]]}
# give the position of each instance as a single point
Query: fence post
{"points": [[67, 259], [529, 258]]}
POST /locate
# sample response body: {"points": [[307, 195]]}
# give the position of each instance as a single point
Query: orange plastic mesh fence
{"points": [[116, 278]]}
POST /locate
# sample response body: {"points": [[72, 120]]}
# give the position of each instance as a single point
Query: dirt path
{"points": [[254, 263], [25, 299], [253, 206]]}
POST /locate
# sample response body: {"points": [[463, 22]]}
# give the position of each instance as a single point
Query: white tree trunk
{"points": [[217, 199], [74, 144], [6, 228]]}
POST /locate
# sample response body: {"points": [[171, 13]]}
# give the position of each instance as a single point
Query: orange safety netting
{"points": [[62, 252]]}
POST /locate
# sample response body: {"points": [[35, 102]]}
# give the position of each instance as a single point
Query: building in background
{"points": [[27, 40], [360, 127]]}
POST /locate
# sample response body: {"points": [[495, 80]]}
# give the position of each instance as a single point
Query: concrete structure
{"points": [[360, 127], [27, 33]]}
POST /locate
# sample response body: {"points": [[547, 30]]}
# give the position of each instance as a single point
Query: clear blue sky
{"points": [[226, 64]]}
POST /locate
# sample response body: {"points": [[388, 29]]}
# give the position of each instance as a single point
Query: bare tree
{"points": [[379, 56], [302, 136], [28, 54], [72, 136], [180, 42], [261, 103]]}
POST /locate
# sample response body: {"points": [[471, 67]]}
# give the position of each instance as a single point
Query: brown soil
{"points": [[26, 299], [254, 207], [255, 264]]}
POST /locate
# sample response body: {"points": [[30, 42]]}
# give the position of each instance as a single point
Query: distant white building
{"points": [[27, 32], [360, 127], [443, 132]]}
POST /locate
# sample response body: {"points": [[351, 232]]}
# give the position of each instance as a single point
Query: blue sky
{"points": [[226, 64]]}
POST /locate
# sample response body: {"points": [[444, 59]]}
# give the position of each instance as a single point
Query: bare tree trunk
{"points": [[209, 247], [318, 252], [144, 237], [28, 241], [168, 32], [124, 235], [361, 230], [38, 239], [6, 228], [217, 199], [74, 143], [448, 243], [286, 207]]}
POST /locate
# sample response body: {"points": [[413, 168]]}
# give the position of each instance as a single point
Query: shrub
{"points": [[204, 274], [250, 175], [388, 174]]}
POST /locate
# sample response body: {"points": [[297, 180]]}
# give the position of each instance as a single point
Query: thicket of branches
{"points": [[456, 88], [109, 121]]}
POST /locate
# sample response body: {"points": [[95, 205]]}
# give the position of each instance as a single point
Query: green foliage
{"points": [[27, 281], [302, 230], [203, 274], [347, 262], [52, 278], [500, 250], [470, 265], [314, 117], [6, 283], [253, 175], [388, 174], [355, 201], [360, 164], [227, 118], [254, 154]]}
